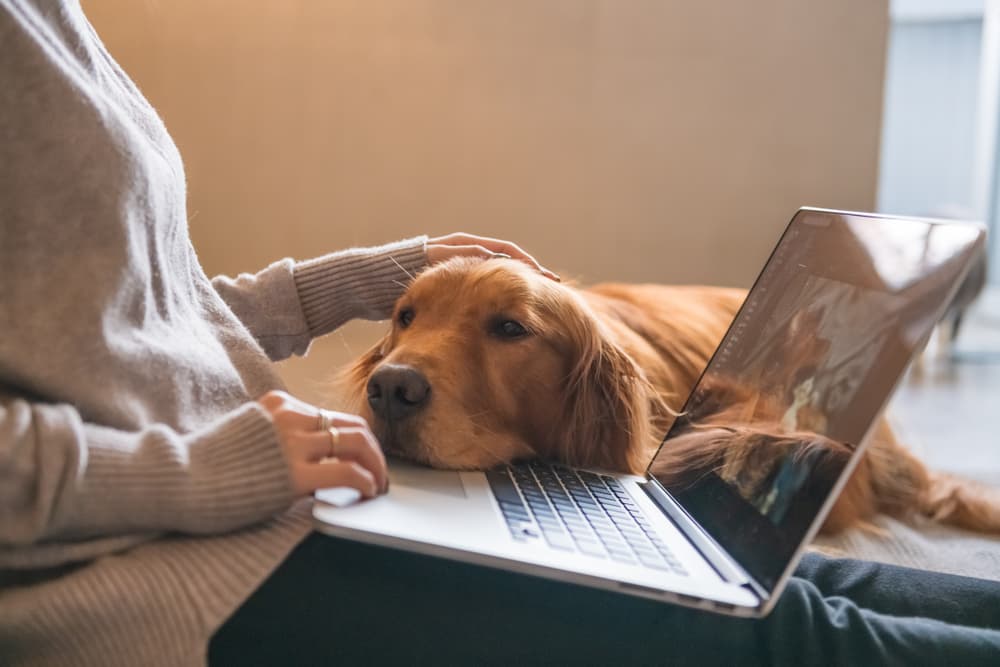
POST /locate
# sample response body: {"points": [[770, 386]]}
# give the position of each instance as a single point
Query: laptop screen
{"points": [[808, 363]]}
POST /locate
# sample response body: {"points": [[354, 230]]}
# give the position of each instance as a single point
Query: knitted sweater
{"points": [[143, 494]]}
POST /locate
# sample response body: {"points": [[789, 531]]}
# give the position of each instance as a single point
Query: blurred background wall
{"points": [[636, 140]]}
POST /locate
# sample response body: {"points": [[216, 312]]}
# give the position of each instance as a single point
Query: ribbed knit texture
{"points": [[320, 279], [143, 494]]}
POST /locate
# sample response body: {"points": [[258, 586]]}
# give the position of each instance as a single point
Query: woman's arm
{"points": [[289, 303], [64, 479]]}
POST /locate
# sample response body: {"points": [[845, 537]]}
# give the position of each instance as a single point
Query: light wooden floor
{"points": [[950, 413]]}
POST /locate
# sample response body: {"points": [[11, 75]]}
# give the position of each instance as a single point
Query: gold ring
{"points": [[324, 421], [334, 439]]}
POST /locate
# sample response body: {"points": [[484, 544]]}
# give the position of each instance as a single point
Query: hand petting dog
{"points": [[443, 248]]}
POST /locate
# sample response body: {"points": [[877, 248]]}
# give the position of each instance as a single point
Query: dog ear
{"points": [[352, 381], [605, 416]]}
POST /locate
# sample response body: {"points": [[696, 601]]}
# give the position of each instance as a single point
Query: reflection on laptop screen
{"points": [[803, 373]]}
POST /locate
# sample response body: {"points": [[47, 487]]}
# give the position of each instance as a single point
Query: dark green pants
{"points": [[335, 602]]}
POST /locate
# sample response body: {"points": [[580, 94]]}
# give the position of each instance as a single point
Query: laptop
{"points": [[842, 304]]}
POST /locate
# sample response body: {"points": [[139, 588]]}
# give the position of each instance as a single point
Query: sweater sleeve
{"points": [[289, 303], [64, 479]]}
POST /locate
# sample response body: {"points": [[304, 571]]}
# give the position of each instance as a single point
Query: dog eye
{"points": [[508, 329], [404, 317]]}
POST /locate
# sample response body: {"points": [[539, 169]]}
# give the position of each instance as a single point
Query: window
{"points": [[940, 152]]}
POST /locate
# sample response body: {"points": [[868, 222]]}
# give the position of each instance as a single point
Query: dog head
{"points": [[489, 362]]}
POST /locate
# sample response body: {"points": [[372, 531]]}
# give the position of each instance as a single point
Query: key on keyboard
{"points": [[578, 511]]}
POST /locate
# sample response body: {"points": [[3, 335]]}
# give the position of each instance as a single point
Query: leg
{"points": [[339, 602], [902, 591]]}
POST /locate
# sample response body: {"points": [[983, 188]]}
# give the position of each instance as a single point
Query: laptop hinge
{"points": [[728, 569]]}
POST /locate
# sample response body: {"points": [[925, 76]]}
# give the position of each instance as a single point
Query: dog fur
{"points": [[595, 381]]}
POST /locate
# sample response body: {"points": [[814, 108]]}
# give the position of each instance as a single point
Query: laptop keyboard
{"points": [[575, 510]]}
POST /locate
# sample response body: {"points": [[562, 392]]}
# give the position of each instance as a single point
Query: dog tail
{"points": [[963, 503], [902, 485]]}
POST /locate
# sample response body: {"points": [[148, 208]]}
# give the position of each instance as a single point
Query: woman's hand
{"points": [[467, 245], [345, 455]]}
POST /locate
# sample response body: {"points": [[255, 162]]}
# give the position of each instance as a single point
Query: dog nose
{"points": [[396, 392]]}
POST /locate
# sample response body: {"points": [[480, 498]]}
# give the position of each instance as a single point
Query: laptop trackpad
{"points": [[422, 478]]}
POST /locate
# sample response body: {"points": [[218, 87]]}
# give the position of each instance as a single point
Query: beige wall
{"points": [[618, 139]]}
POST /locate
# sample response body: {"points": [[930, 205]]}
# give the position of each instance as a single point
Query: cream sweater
{"points": [[143, 495]]}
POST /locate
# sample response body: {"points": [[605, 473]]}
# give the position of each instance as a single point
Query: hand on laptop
{"points": [[325, 448]]}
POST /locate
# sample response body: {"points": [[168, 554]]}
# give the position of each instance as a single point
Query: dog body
{"points": [[489, 362]]}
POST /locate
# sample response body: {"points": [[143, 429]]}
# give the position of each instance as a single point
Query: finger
{"points": [[516, 252], [307, 477], [352, 444], [470, 245], [310, 447], [272, 399], [456, 238], [499, 246], [486, 245], [359, 445], [551, 275], [345, 420], [299, 415], [288, 412], [449, 251], [291, 418], [472, 250], [490, 244], [276, 399]]}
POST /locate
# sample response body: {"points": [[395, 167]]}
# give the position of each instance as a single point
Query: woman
{"points": [[128, 379], [149, 468]]}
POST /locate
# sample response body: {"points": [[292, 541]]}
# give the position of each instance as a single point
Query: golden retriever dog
{"points": [[488, 362]]}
